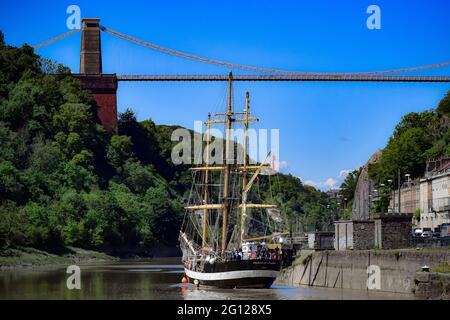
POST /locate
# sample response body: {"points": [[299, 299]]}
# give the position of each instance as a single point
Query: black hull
{"points": [[241, 283], [235, 274]]}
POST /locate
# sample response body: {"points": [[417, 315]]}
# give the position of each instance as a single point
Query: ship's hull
{"points": [[236, 274]]}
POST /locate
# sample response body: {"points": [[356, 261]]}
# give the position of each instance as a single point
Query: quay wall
{"points": [[349, 269], [432, 285]]}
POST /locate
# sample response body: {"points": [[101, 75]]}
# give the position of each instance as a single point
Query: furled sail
{"points": [[274, 214]]}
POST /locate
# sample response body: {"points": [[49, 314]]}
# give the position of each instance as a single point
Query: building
{"points": [[392, 231], [385, 231], [333, 193], [320, 240], [409, 197], [429, 195], [435, 195], [354, 235]]}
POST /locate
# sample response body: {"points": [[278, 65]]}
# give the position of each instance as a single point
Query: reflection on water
{"points": [[154, 279]]}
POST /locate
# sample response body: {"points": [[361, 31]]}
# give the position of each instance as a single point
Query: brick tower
{"points": [[102, 86]]}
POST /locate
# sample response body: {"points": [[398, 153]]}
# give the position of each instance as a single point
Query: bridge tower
{"points": [[102, 86], [91, 47]]}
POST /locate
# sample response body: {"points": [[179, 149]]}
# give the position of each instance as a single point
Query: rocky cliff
{"points": [[364, 187]]}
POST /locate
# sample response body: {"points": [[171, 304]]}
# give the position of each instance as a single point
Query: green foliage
{"points": [[444, 106], [63, 180], [10, 182], [382, 204], [307, 208], [418, 137], [119, 150], [443, 267], [348, 187], [406, 152], [12, 226], [416, 214]]}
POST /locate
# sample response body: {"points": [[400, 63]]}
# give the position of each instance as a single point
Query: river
{"points": [[152, 279]]}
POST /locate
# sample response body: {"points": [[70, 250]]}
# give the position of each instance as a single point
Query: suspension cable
{"points": [[235, 65], [258, 69], [62, 36]]}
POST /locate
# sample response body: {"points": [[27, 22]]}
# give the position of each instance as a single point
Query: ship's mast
{"points": [[244, 175], [227, 170], [205, 196], [225, 206]]}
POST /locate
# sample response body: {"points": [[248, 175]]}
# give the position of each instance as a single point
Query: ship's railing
{"points": [[296, 240]]}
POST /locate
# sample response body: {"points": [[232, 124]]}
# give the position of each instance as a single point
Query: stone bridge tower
{"points": [[102, 86]]}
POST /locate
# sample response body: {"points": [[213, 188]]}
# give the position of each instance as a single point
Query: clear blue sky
{"points": [[324, 127]]}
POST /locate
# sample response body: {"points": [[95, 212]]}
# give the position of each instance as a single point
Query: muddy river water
{"points": [[151, 279]]}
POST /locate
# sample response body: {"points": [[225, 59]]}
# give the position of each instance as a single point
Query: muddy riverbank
{"points": [[33, 258]]}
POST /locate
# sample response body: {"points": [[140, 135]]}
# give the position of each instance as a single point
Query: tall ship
{"points": [[231, 237]]}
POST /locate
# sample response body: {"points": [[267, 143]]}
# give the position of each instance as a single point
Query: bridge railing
{"points": [[324, 77]]}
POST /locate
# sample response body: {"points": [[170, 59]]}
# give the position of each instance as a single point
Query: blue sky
{"points": [[325, 128]]}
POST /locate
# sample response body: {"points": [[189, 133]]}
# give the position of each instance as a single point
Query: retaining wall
{"points": [[348, 269]]}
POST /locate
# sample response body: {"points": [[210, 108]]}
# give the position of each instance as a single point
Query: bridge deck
{"points": [[354, 78]]}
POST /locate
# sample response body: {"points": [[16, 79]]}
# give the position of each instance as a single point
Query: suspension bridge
{"points": [[104, 86]]}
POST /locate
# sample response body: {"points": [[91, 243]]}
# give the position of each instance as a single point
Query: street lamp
{"points": [[408, 176], [392, 193]]}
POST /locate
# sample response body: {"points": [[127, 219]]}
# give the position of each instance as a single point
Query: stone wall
{"points": [[409, 197], [387, 231], [431, 285], [354, 235], [363, 235], [393, 231], [91, 48], [348, 269]]}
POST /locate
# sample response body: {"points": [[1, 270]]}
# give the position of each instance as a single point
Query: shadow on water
{"points": [[151, 279]]}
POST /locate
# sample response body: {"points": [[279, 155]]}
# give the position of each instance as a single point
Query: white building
{"points": [[435, 197]]}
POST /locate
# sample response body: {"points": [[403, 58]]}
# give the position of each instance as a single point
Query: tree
{"points": [[444, 106], [418, 137], [348, 187], [138, 178], [164, 219], [11, 186], [119, 150]]}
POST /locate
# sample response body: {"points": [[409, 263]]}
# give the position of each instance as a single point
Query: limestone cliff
{"points": [[361, 202]]}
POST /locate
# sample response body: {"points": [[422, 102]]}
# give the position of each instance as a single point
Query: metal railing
{"points": [[429, 243], [355, 78]]}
